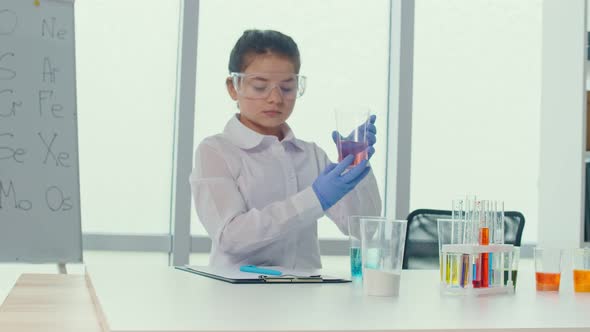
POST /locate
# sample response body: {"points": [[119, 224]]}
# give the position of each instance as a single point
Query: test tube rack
{"points": [[462, 271]]}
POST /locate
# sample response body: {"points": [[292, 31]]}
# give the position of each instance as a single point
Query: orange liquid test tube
{"points": [[484, 239]]}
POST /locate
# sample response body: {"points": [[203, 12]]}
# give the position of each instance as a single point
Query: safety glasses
{"points": [[260, 85]]}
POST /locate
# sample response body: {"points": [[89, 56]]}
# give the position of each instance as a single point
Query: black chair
{"points": [[421, 250]]}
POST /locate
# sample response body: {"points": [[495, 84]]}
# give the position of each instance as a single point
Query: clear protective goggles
{"points": [[260, 85]]}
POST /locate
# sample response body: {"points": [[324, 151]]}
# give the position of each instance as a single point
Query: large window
{"points": [[126, 77], [477, 95], [344, 48]]}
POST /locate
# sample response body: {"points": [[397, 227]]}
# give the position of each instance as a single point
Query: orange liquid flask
{"points": [[582, 280], [548, 281]]}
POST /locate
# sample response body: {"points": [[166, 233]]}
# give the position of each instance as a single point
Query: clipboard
{"points": [[235, 276]]}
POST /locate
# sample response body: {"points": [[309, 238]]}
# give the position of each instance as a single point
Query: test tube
{"points": [[510, 258], [475, 222], [474, 231], [471, 228], [457, 209], [498, 238], [456, 212], [461, 212], [468, 220], [499, 223], [484, 239], [465, 268]]}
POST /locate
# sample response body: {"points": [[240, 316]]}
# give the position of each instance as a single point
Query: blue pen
{"points": [[256, 269]]}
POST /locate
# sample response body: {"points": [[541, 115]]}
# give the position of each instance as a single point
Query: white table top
{"points": [[147, 298]]}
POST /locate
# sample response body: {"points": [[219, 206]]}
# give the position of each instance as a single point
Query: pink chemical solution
{"points": [[358, 149]]}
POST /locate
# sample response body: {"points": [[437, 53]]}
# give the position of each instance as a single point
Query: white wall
{"points": [[563, 121], [477, 74]]}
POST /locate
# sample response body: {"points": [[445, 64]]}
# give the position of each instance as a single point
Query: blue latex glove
{"points": [[332, 185], [371, 134]]}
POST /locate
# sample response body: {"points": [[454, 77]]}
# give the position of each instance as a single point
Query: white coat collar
{"points": [[246, 138]]}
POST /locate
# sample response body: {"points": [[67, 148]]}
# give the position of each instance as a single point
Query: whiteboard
{"points": [[39, 171]]}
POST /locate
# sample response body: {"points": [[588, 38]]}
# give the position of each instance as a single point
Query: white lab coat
{"points": [[254, 197]]}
